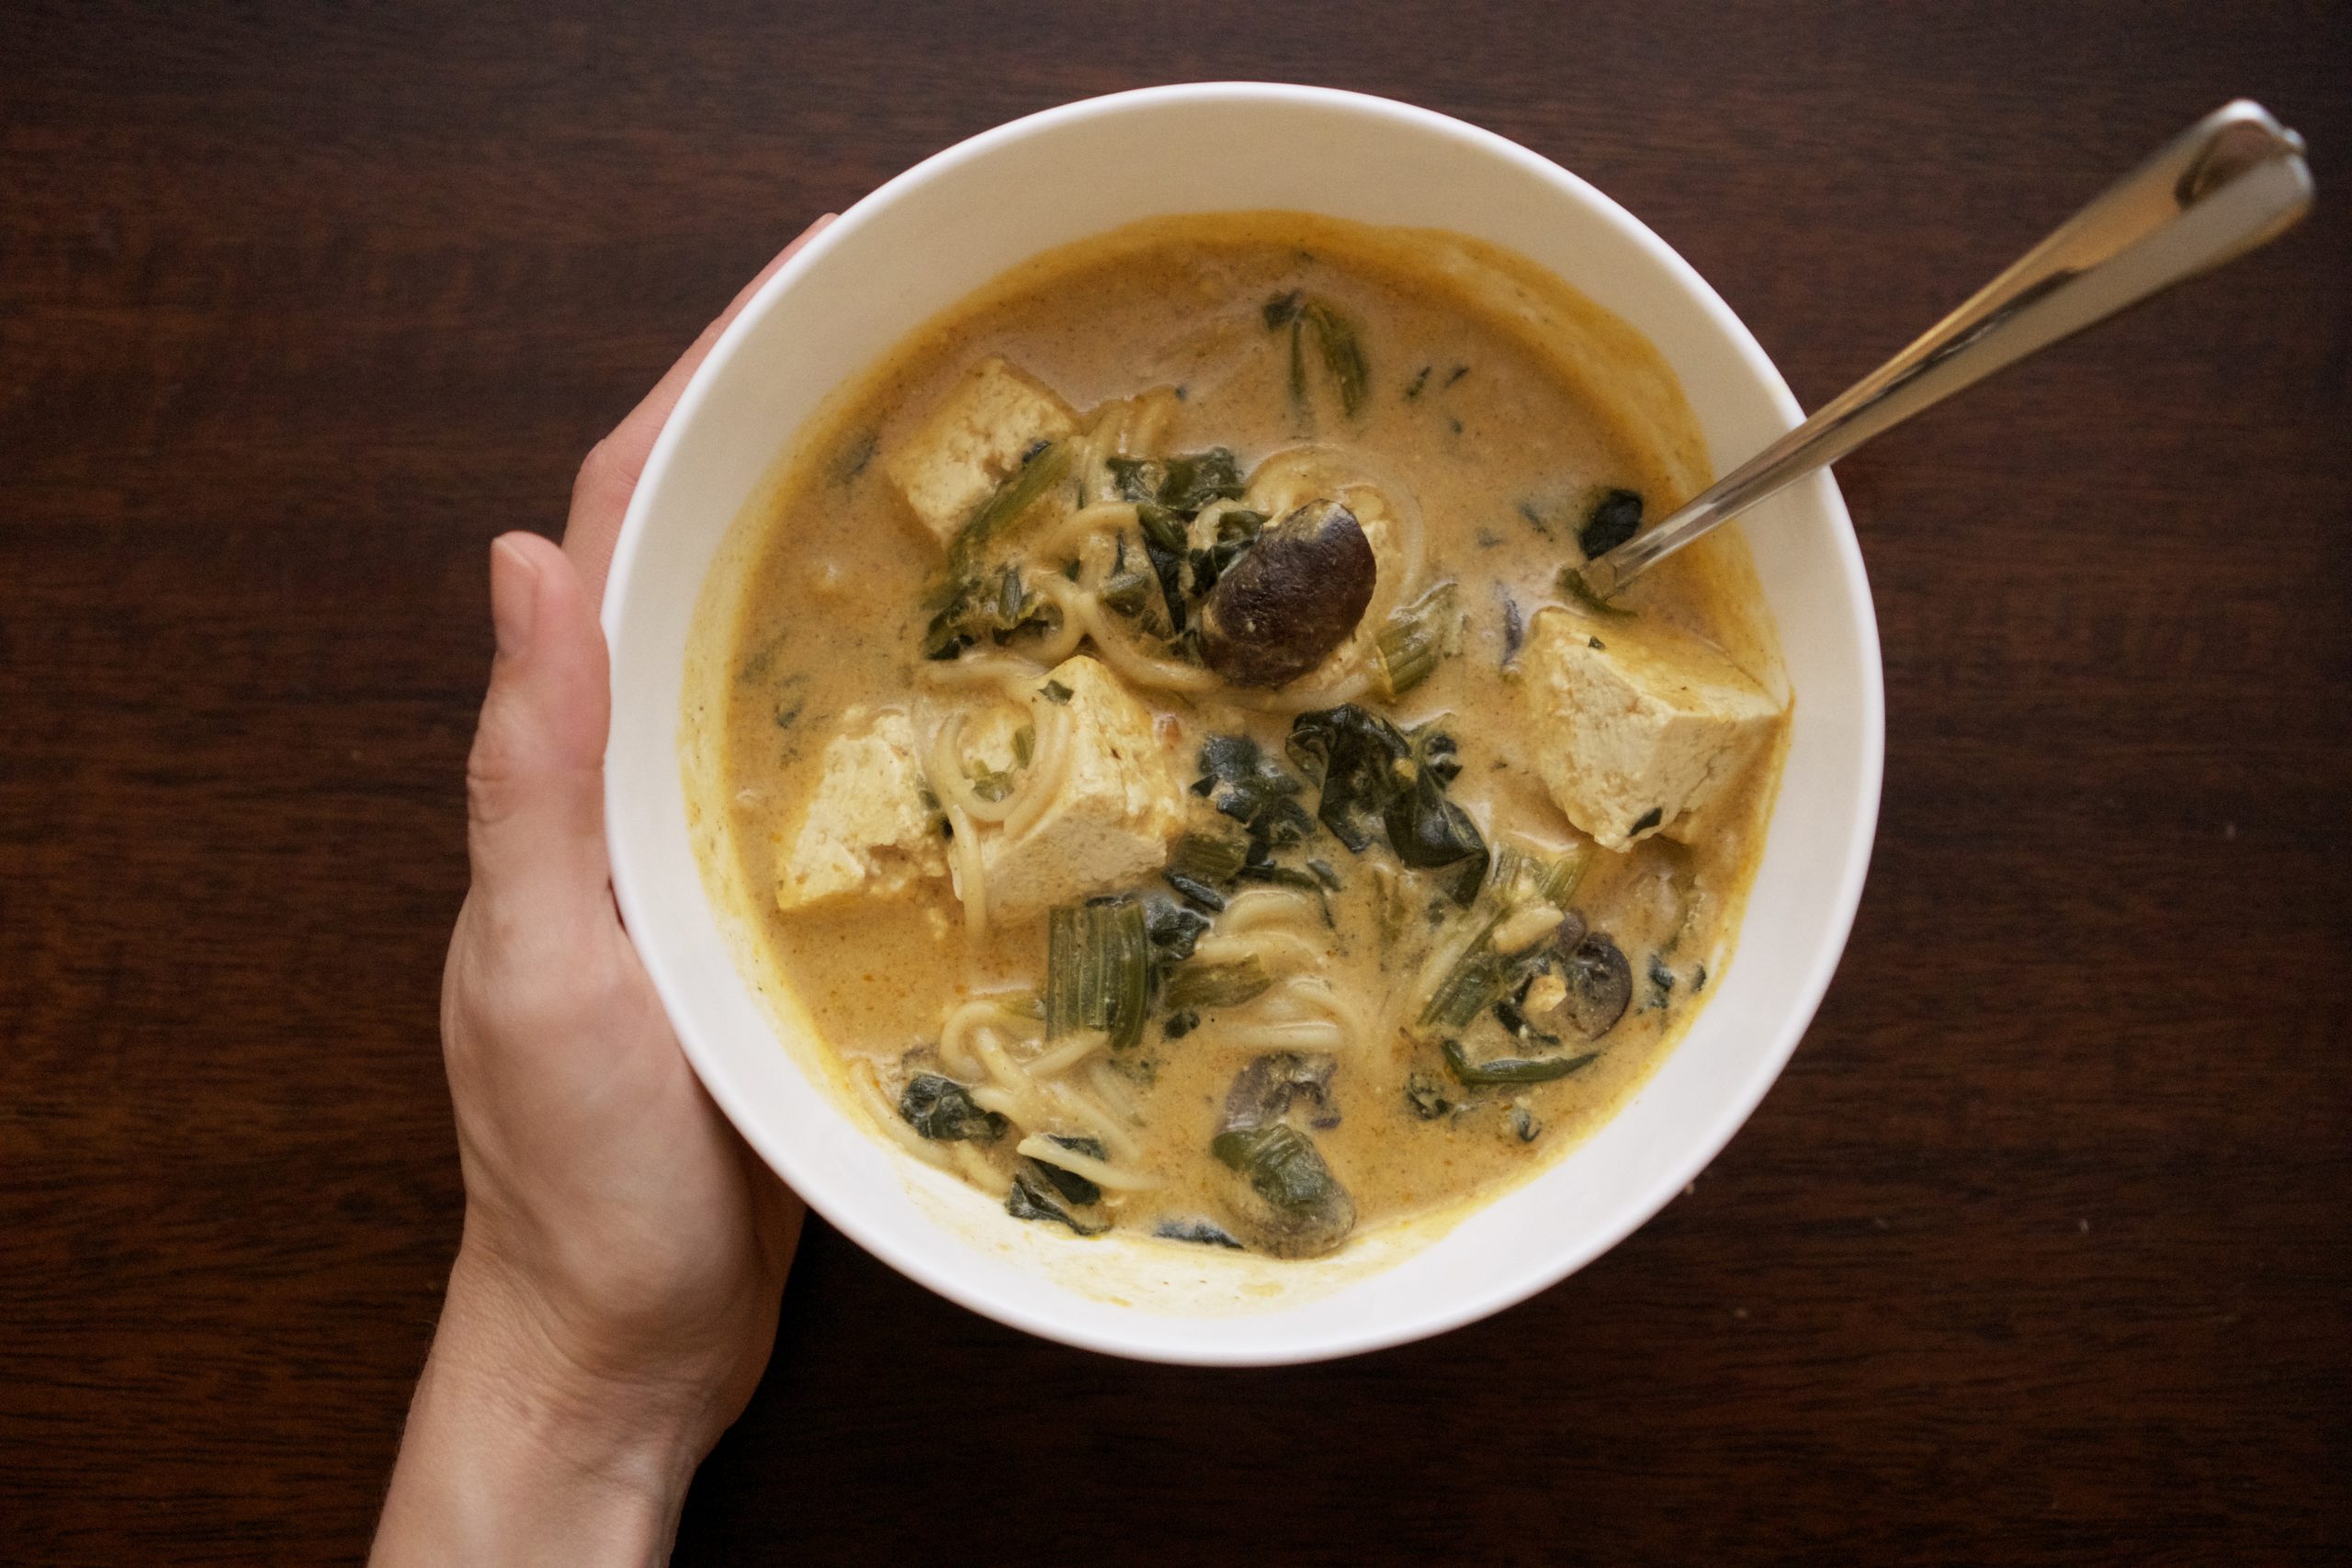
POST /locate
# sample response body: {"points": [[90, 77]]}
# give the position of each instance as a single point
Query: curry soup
{"points": [[1162, 754]]}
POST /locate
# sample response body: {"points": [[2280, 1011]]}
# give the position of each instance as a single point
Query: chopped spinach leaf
{"points": [[1172, 931], [1512, 1069], [1341, 350], [1615, 517], [1195, 891], [1281, 876], [1163, 545], [942, 1109], [1068, 1183], [1282, 1164], [1354, 755], [1426, 1098], [1371, 773], [1033, 1200], [1045, 465], [1182, 483], [1252, 789], [1416, 636], [1126, 594], [1572, 585], [1098, 970], [1200, 1233], [1213, 857], [999, 606], [1207, 986]]}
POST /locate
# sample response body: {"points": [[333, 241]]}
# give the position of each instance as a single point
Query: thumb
{"points": [[534, 782]]}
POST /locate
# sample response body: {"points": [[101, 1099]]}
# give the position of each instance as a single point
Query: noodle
{"points": [[1049, 765], [977, 1169], [1081, 1044], [1263, 905], [1140, 668], [1097, 520], [955, 1034], [1065, 639], [1114, 1138], [1006, 670], [1320, 1035], [1301, 1010], [1145, 426], [1269, 948], [944, 770], [1004, 1102], [1102, 1174], [1113, 1089], [969, 880], [1006, 1074]]}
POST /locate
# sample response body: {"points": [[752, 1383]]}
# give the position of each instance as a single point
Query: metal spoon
{"points": [[2234, 181]]}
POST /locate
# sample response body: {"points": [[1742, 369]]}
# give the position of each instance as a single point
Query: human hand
{"points": [[614, 1297]]}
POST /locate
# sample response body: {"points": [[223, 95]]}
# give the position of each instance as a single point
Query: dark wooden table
{"points": [[2039, 1250]]}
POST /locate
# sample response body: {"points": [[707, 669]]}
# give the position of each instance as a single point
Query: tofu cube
{"points": [[869, 829], [974, 441], [1636, 724], [1114, 806]]}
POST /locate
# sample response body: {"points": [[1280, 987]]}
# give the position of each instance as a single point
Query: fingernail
{"points": [[514, 595]]}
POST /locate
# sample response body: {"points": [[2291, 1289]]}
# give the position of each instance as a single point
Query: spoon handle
{"points": [[2234, 181]]}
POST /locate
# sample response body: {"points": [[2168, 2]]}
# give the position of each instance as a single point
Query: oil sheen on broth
{"points": [[1157, 745]]}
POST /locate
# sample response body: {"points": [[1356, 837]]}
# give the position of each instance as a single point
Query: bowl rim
{"points": [[1708, 1139]]}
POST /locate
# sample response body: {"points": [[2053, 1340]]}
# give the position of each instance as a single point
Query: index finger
{"points": [[609, 474]]}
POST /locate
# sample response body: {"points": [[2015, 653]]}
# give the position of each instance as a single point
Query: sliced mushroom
{"points": [[1266, 1090], [1599, 983], [1297, 595]]}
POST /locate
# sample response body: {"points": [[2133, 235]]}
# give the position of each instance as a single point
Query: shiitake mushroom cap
{"points": [[1599, 982], [1297, 594]]}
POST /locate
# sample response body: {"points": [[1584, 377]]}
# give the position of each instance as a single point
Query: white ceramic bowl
{"points": [[957, 220]]}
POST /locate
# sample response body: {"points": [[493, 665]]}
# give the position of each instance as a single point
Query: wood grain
{"points": [[2039, 1251]]}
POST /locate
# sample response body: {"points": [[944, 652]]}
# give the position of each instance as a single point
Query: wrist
{"points": [[519, 1452], [601, 1413]]}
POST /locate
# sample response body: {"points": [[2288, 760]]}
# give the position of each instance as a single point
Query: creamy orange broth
{"points": [[1502, 402]]}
